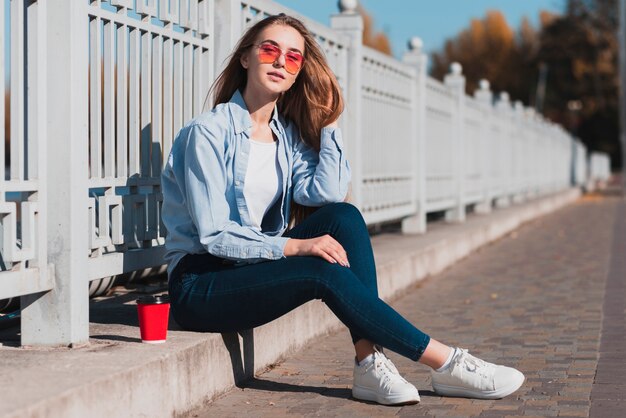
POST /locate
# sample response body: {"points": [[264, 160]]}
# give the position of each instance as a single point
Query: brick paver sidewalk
{"points": [[533, 300]]}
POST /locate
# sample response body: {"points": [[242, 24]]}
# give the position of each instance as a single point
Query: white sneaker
{"points": [[471, 377], [379, 381]]}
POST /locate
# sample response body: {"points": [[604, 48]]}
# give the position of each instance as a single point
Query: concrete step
{"points": [[116, 375]]}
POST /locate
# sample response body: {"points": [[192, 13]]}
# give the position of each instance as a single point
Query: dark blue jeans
{"points": [[209, 294]]}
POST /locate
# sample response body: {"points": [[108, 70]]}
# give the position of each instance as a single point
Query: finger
{"points": [[331, 246], [338, 250], [341, 258], [326, 256]]}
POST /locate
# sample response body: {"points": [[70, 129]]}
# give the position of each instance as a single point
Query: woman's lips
{"points": [[276, 74]]}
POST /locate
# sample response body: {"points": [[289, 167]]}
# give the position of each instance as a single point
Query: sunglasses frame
{"points": [[279, 52]]}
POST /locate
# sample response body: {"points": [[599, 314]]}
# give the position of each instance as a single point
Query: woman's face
{"points": [[273, 77]]}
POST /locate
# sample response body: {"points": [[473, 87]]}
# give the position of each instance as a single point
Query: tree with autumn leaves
{"points": [[577, 52]]}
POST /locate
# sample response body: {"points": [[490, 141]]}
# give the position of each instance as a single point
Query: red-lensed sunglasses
{"points": [[268, 54]]}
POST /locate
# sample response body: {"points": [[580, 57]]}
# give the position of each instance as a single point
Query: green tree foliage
{"points": [[579, 52]]}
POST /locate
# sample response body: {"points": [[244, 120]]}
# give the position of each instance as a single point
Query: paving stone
{"points": [[533, 300]]}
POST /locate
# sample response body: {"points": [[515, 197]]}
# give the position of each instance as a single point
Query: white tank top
{"points": [[262, 184]]}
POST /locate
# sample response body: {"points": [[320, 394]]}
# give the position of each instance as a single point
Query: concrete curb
{"points": [[116, 376]]}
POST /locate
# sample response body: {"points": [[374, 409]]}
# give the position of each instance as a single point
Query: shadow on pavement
{"points": [[341, 393], [116, 338], [271, 386]]}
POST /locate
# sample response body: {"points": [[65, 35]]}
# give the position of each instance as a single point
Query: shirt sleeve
{"points": [[320, 178], [205, 179]]}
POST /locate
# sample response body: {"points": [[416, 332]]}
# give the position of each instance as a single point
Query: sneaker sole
{"points": [[477, 394], [366, 394]]}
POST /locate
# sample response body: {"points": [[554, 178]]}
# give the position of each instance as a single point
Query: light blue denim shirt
{"points": [[204, 209]]}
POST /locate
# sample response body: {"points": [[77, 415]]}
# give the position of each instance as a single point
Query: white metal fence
{"points": [[99, 88]]}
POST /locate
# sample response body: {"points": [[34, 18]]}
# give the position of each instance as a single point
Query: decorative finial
{"points": [[504, 96], [348, 6], [415, 44], [484, 84], [456, 68]]}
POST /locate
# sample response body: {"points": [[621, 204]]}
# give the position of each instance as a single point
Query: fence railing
{"points": [[98, 89]]}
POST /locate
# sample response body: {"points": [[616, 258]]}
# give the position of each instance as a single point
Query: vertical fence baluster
{"points": [[187, 82], [17, 90], [168, 86], [121, 102], [146, 102], [108, 123], [157, 105], [197, 81], [178, 86], [134, 119], [95, 98]]}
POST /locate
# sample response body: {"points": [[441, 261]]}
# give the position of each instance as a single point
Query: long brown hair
{"points": [[312, 102]]}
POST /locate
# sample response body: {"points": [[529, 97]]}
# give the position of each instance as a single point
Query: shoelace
{"points": [[383, 368], [384, 364], [473, 364], [389, 364], [386, 360]]}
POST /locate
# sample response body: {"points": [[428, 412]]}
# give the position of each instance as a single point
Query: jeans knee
{"points": [[328, 277], [346, 214]]}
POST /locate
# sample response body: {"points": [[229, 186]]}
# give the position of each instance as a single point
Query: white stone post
{"points": [[415, 57], [484, 96], [532, 160], [228, 30], [519, 181], [455, 81], [503, 111], [61, 315], [350, 23], [34, 306]]}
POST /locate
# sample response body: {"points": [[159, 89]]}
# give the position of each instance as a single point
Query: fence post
{"points": [[503, 111], [61, 315], [532, 163], [455, 81], [227, 31], [350, 23], [518, 152], [416, 224], [484, 96]]}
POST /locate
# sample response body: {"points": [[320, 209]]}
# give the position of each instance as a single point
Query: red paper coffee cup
{"points": [[154, 312]]}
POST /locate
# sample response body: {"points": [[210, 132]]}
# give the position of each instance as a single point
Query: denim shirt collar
{"points": [[241, 116]]}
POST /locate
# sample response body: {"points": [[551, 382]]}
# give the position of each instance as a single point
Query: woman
{"points": [[268, 149]]}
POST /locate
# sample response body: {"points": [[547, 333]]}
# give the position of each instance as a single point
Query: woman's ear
{"points": [[244, 61]]}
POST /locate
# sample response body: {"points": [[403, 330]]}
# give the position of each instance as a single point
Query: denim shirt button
{"points": [[237, 183]]}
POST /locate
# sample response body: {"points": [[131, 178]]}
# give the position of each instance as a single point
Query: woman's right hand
{"points": [[325, 247]]}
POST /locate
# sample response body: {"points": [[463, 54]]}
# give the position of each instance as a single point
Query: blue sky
{"points": [[432, 20]]}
